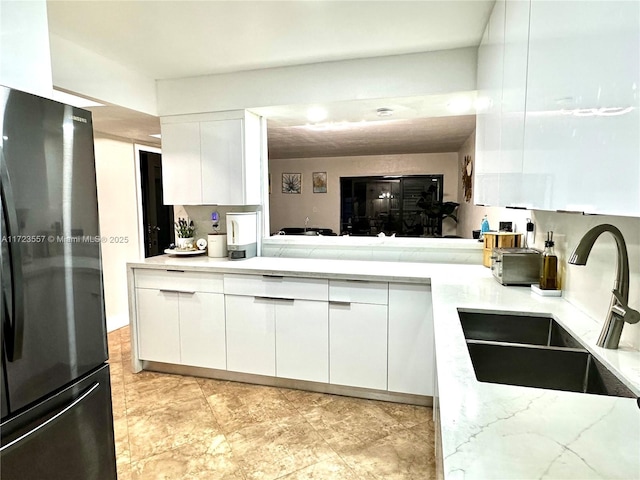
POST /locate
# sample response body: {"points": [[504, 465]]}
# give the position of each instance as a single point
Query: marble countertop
{"points": [[298, 267], [509, 432], [488, 430]]}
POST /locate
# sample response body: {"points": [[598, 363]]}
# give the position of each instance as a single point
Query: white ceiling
{"points": [[179, 38]]}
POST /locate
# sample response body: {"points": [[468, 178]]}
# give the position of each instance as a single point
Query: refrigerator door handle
{"points": [[16, 315], [53, 419]]}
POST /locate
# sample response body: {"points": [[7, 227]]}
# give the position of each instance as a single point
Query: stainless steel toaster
{"points": [[516, 266]]}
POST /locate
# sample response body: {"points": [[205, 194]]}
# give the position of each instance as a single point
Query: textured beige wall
{"points": [[323, 209]]}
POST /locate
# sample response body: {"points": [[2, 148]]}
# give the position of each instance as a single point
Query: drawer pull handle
{"points": [[273, 277], [340, 304], [176, 271], [276, 298], [356, 280], [177, 291]]}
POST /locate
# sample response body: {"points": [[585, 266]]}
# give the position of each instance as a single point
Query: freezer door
{"points": [[54, 310], [66, 437]]}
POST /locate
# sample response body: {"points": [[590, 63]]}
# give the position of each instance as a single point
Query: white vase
{"points": [[184, 243]]}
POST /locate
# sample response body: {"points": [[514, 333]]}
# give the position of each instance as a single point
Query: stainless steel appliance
{"points": [[516, 266], [242, 235], [57, 420]]}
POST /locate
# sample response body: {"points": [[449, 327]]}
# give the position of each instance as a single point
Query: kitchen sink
{"points": [[534, 351], [572, 370], [499, 327]]}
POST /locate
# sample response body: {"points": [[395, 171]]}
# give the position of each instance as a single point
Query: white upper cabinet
{"points": [[569, 111], [181, 166], [581, 130], [490, 68], [514, 84], [208, 160]]}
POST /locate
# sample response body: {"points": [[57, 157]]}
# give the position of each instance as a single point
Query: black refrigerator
{"points": [[57, 421]]}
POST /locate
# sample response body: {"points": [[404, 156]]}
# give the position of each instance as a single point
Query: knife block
{"points": [[499, 240]]}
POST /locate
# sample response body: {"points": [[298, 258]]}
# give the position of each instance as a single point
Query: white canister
{"points": [[217, 245]]}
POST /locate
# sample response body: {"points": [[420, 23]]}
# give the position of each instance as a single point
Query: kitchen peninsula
{"points": [[487, 430]]}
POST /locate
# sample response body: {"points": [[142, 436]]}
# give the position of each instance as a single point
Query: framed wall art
{"points": [[319, 182], [291, 182]]}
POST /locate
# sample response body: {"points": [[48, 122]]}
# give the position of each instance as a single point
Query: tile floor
{"points": [[178, 427]]}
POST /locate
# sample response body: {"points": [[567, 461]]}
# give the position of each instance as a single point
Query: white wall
{"points": [[118, 212], [25, 60], [323, 209], [417, 74]]}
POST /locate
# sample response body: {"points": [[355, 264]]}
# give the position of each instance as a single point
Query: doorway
{"points": [[157, 217]]}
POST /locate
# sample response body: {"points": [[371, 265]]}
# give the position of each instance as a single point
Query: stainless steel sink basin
{"points": [[534, 351], [532, 330], [554, 368]]}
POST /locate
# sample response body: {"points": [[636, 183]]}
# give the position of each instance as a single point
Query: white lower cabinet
{"points": [[302, 340], [411, 346], [251, 334], [181, 327], [202, 330], [158, 325], [347, 332], [358, 344], [287, 338]]}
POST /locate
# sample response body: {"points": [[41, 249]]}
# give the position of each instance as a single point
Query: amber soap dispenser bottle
{"points": [[549, 267]]}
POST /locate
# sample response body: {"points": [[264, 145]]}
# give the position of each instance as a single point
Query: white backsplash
{"points": [[589, 287]]}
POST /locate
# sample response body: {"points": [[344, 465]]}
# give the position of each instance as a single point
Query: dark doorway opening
{"points": [[156, 216]]}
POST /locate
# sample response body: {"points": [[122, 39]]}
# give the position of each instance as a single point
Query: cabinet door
{"points": [[181, 170], [490, 71], [251, 340], [583, 107], [302, 340], [223, 175], [358, 345], [513, 192], [411, 347], [202, 330], [158, 325]]}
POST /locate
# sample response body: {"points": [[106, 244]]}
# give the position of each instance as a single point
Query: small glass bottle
{"points": [[549, 267]]}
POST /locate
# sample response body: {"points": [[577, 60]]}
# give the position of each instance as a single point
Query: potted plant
{"points": [[184, 230]]}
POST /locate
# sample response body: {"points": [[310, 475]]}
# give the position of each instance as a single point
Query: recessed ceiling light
{"points": [[316, 114], [384, 112]]}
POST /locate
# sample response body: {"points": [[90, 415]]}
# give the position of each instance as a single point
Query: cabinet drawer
{"points": [[276, 286], [179, 280], [359, 291]]}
